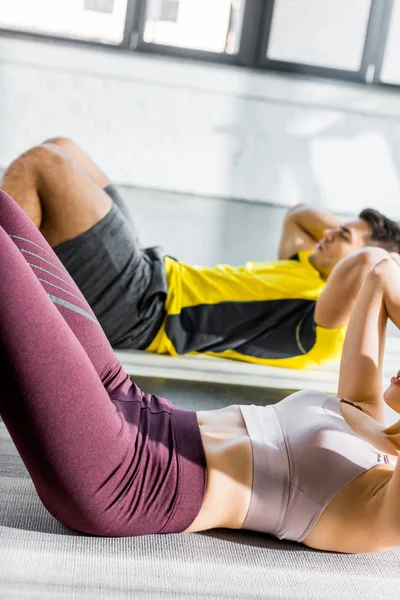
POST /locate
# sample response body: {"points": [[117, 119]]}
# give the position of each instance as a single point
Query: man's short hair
{"points": [[385, 232]]}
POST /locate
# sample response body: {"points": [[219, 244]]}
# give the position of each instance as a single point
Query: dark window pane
{"points": [[100, 20], [213, 25], [325, 34], [391, 63]]}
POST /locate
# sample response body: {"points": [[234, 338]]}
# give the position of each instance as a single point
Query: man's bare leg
{"points": [[82, 158], [56, 191]]}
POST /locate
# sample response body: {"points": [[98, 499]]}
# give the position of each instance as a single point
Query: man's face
{"points": [[338, 243]]}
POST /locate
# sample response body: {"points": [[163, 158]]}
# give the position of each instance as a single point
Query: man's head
{"points": [[371, 229]]}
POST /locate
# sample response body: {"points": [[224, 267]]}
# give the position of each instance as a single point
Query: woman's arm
{"points": [[302, 228], [335, 305], [360, 378]]}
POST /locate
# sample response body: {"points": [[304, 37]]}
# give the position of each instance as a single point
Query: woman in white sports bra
{"points": [[108, 459], [315, 468]]}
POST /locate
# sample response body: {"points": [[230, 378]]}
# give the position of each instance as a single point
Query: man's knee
{"points": [[31, 162], [62, 142], [40, 159]]}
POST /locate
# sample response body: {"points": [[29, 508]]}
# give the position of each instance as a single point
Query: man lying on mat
{"points": [[291, 312]]}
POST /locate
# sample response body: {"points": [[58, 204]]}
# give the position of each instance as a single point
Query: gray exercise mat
{"points": [[40, 558]]}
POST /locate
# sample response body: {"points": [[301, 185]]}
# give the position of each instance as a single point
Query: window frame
{"points": [[248, 46], [381, 47], [255, 35], [54, 37], [379, 13]]}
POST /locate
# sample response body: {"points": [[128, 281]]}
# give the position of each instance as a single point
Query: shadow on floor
{"points": [[200, 395]]}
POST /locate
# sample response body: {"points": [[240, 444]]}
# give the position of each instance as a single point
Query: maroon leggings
{"points": [[105, 458]]}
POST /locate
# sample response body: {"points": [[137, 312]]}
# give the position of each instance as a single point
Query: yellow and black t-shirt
{"points": [[262, 313]]}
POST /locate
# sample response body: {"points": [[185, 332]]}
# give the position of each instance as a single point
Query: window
{"points": [[357, 40], [105, 6], [326, 34], [391, 63], [168, 10], [100, 20], [211, 25]]}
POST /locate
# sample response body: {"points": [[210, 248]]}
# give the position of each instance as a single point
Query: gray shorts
{"points": [[124, 283]]}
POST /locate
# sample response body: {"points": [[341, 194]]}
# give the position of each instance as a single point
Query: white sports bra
{"points": [[304, 452]]}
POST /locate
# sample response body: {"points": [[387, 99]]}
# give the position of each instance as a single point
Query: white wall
{"points": [[205, 129]]}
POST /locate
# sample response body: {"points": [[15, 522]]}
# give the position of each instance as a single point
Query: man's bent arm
{"points": [[336, 302], [302, 228]]}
